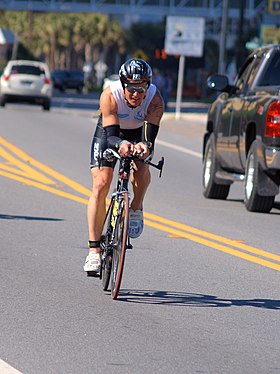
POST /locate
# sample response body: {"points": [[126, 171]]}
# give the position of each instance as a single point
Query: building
{"points": [[7, 40]]}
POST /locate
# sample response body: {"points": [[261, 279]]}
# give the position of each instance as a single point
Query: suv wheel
{"points": [[80, 89], [253, 201], [211, 189]]}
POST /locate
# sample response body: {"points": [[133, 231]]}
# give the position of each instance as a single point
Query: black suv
{"points": [[68, 79], [242, 138]]}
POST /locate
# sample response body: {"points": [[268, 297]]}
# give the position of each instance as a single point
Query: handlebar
{"points": [[109, 155]]}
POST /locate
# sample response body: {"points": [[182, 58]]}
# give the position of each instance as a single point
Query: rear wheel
{"points": [[253, 201], [106, 253], [119, 247], [106, 266], [211, 189]]}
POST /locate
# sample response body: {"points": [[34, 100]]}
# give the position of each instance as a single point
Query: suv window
{"points": [[27, 69], [254, 71], [271, 76], [243, 75]]}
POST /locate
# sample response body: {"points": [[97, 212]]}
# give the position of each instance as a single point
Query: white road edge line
{"points": [[178, 148], [7, 369]]}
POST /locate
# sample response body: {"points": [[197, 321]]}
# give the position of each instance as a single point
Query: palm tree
{"points": [[67, 40], [52, 37]]}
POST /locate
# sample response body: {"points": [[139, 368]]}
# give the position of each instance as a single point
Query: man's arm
{"points": [[152, 121], [108, 108], [155, 109]]}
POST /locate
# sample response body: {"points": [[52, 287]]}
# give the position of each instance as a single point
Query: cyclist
{"points": [[131, 110]]}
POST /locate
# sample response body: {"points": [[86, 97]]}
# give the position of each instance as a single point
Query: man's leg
{"points": [[140, 180], [96, 214], [102, 179]]}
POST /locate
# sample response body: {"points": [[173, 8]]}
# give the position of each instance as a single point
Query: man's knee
{"points": [[101, 183], [142, 175]]}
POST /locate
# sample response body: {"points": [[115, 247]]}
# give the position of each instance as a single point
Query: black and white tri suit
{"points": [[131, 122]]}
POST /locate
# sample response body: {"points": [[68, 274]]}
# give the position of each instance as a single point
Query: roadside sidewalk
{"points": [[193, 124], [185, 118]]}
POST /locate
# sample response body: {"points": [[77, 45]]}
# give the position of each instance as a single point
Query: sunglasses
{"points": [[131, 89]]}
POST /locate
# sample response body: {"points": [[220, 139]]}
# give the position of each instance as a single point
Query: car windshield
{"points": [[76, 74], [27, 69], [59, 73]]}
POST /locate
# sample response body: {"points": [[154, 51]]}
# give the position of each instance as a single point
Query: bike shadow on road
{"points": [[29, 218], [173, 298]]}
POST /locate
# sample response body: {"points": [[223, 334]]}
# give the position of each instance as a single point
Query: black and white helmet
{"points": [[135, 70]]}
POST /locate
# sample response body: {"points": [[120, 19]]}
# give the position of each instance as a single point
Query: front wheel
{"points": [[253, 201], [119, 245], [211, 189]]}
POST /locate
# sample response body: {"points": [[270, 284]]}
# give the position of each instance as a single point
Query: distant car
{"points": [[110, 79], [26, 81], [68, 79]]}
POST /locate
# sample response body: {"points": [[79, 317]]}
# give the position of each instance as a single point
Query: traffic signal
{"points": [[160, 54]]}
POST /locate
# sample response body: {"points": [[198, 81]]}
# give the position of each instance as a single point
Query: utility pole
{"points": [[223, 39], [240, 47]]}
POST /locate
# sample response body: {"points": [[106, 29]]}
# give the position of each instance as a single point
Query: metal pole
{"points": [[221, 68], [180, 86]]}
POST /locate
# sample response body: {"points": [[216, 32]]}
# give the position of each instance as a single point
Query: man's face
{"points": [[135, 93]]}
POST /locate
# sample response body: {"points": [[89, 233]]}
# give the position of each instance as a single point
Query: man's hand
{"points": [[141, 150], [126, 149]]}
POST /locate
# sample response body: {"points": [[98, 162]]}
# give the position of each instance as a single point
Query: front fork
{"points": [[117, 211]]}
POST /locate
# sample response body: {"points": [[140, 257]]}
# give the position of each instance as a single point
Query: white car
{"points": [[26, 81]]}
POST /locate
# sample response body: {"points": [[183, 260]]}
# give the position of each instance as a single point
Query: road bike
{"points": [[114, 238]]}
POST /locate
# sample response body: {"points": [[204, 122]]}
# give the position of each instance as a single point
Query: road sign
{"points": [[184, 36]]}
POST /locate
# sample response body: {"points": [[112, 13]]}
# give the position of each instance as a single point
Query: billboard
{"points": [[269, 34], [274, 6]]}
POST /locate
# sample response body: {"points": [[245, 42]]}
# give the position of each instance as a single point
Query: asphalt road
{"points": [[200, 292]]}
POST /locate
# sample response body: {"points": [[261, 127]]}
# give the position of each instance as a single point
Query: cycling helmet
{"points": [[135, 70]]}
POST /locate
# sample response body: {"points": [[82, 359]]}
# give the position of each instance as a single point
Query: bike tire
{"points": [[106, 257], [119, 248]]}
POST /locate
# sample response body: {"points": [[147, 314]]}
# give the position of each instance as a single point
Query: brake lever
{"points": [[159, 166]]}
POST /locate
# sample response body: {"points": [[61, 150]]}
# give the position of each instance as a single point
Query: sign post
{"points": [[180, 86], [184, 36]]}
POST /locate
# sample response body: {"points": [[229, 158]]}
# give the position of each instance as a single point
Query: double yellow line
{"points": [[19, 166]]}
